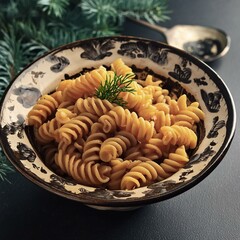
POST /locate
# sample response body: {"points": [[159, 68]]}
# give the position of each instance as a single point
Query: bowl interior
{"points": [[180, 72]]}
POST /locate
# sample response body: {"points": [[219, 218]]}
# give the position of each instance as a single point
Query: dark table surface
{"points": [[210, 210]]}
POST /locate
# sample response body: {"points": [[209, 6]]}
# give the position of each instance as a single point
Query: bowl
{"points": [[179, 71]]}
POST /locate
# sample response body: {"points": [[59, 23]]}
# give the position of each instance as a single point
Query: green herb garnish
{"points": [[111, 88]]}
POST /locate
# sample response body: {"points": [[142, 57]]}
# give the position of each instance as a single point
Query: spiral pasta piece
{"points": [[93, 105], [191, 114], [64, 84], [114, 147], [63, 115], [173, 105], [133, 153], [120, 68], [44, 107], [179, 135], [149, 81], [153, 88], [67, 105], [174, 162], [140, 175], [85, 85], [136, 101], [146, 172], [119, 117], [159, 113], [187, 115], [119, 169], [160, 95], [162, 119], [76, 127], [79, 145], [48, 131], [49, 151], [89, 173], [96, 128], [92, 146], [152, 149], [162, 107], [58, 96], [65, 155]]}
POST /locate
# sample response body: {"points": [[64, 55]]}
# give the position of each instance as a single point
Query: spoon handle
{"points": [[155, 27]]}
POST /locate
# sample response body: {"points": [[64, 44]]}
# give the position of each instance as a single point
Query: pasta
{"points": [[129, 121], [76, 127], [141, 174], [84, 172], [85, 84], [179, 135], [100, 142], [46, 132], [119, 168], [120, 68], [49, 151], [93, 105], [44, 107], [92, 147], [114, 147], [92, 173], [174, 162]]}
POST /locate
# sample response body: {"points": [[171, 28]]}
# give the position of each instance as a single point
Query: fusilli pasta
{"points": [[44, 107], [114, 147], [85, 85], [128, 121], [93, 105], [99, 143]]}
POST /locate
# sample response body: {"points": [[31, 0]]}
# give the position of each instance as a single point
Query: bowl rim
{"points": [[230, 126]]}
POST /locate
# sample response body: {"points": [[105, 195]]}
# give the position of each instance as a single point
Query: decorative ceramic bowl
{"points": [[178, 70]]}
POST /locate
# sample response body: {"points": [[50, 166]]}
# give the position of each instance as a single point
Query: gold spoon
{"points": [[205, 43]]}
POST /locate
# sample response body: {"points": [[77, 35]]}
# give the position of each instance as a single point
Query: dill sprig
{"points": [[112, 87]]}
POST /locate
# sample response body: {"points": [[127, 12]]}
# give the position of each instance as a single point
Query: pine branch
{"points": [[154, 11], [54, 7], [5, 167], [100, 10], [107, 13], [15, 54]]}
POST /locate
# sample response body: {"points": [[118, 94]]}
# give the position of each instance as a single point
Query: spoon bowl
{"points": [[206, 43]]}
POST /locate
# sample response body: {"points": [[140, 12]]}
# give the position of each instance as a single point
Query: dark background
{"points": [[210, 210]]}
